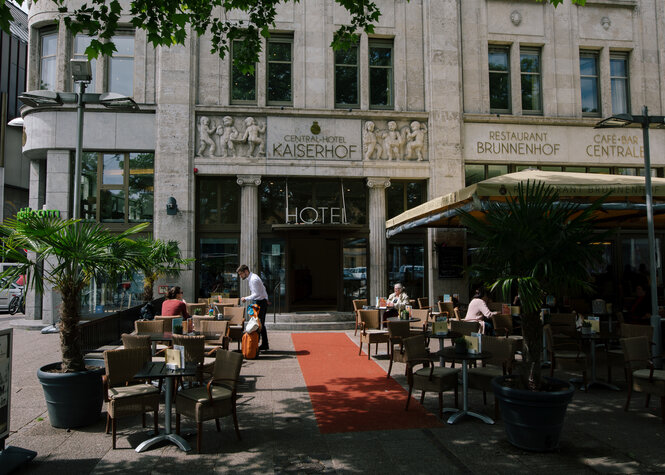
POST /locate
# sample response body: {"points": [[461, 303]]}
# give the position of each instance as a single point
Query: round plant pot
{"points": [[533, 419], [72, 399]]}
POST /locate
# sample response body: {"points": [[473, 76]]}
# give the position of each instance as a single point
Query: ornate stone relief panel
{"points": [[228, 136], [395, 141]]}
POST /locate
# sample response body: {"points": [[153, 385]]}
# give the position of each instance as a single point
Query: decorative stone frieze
{"points": [[219, 137], [395, 142], [516, 17]]}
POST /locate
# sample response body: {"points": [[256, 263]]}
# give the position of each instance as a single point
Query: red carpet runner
{"points": [[350, 393]]}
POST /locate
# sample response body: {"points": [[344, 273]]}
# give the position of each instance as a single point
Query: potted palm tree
{"points": [[533, 244], [163, 260], [67, 255]]}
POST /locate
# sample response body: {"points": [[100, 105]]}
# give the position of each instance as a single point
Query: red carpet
{"points": [[350, 393]]}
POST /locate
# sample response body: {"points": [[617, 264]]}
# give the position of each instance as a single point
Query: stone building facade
{"points": [[294, 170]]}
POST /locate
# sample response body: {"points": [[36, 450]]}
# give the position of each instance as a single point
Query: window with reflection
{"points": [[48, 47], [619, 83], [589, 83], [320, 201], [279, 72], [346, 78], [120, 72], [406, 265], [218, 261], [531, 85], [218, 201], [243, 85], [499, 76], [354, 268], [117, 187], [81, 42], [404, 195], [381, 74]]}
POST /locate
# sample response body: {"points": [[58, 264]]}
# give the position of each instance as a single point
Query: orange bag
{"points": [[250, 345]]}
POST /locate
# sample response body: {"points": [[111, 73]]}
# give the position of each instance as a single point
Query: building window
{"points": [[279, 77], [243, 86], [380, 74], [47, 52], [120, 73], [499, 71], [117, 187], [531, 85], [219, 201], [589, 83], [473, 173], [81, 42], [346, 78], [619, 80], [404, 195]]}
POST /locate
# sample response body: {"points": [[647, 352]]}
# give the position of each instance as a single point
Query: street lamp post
{"points": [[82, 75], [622, 120]]}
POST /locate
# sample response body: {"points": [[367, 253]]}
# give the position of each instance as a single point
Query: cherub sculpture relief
{"points": [[415, 141], [227, 134], [252, 137], [205, 136], [394, 141], [371, 143]]}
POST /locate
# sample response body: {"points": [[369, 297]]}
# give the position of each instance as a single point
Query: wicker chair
{"points": [[197, 319], [463, 327], [447, 309], [423, 320], [216, 399], [397, 332], [210, 330], [149, 326], [358, 305], [236, 323], [627, 330], [167, 321], [142, 342], [503, 326], [641, 373], [423, 303], [124, 398], [193, 307], [567, 352], [371, 332], [195, 353], [428, 378]]}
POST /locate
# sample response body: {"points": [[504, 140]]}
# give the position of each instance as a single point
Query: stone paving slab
{"points": [[280, 435]]}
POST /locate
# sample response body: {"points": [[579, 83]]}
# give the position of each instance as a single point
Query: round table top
{"points": [[449, 334], [397, 319], [602, 335], [450, 354]]}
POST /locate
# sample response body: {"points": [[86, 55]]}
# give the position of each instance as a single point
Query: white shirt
{"points": [[256, 288], [477, 310]]}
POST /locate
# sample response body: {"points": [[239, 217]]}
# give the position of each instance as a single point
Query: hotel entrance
{"points": [[313, 272]]}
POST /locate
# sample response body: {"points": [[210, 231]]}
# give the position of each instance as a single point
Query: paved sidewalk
{"points": [[280, 435]]}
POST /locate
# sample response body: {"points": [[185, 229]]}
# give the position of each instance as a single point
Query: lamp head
{"points": [[113, 100], [171, 206], [81, 70], [40, 98]]}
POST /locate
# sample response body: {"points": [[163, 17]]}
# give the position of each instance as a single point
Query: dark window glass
{"points": [[380, 75], [473, 174], [47, 65], [112, 206], [496, 170], [531, 86], [354, 255], [243, 86], [114, 169], [589, 83], [346, 78], [404, 195], [218, 259], [499, 71], [406, 265], [279, 71], [219, 201], [141, 187], [89, 186]]}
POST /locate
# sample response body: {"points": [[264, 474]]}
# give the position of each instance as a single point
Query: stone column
{"points": [[249, 225], [378, 282], [36, 198]]}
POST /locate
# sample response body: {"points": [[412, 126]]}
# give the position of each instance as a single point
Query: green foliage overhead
{"points": [[169, 22]]}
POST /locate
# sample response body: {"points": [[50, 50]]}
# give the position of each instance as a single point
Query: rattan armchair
{"points": [[215, 400], [123, 397], [371, 332], [358, 304], [642, 376], [195, 353], [236, 317], [615, 355], [565, 351], [397, 333], [216, 335]]}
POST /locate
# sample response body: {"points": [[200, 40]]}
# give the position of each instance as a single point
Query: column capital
{"points": [[249, 180], [378, 182]]}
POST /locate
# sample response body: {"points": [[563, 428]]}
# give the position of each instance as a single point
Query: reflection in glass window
{"points": [[121, 66], [89, 186], [112, 206], [635, 259], [406, 264], [531, 88], [473, 174], [499, 72], [114, 169], [243, 86], [354, 263], [589, 83], [619, 80], [380, 74], [47, 53], [81, 42], [218, 261], [346, 78], [141, 187], [219, 201], [279, 70], [404, 195], [273, 269]]}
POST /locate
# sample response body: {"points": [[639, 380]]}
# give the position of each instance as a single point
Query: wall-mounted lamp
{"points": [[171, 206]]}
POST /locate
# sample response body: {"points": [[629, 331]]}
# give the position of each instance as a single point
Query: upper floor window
{"points": [[48, 46], [243, 86], [279, 73], [473, 173], [531, 84], [499, 75], [120, 72], [381, 74], [589, 83], [619, 82], [404, 195], [81, 42], [218, 201], [346, 78], [117, 187]]}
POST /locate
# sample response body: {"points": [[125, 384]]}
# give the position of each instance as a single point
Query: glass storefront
{"points": [[354, 270], [273, 270], [218, 261], [406, 264]]}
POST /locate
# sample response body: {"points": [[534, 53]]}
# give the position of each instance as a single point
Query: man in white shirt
{"points": [[257, 293]]}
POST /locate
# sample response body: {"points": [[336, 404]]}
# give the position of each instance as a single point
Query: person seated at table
{"points": [[640, 311], [174, 304], [478, 311], [396, 301]]}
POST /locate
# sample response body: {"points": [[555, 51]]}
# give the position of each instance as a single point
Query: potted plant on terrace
{"points": [[67, 255], [533, 244]]}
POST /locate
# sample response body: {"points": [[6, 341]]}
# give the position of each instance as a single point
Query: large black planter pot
{"points": [[72, 399], [533, 420]]}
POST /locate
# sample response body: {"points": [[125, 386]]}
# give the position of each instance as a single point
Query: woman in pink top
{"points": [[478, 311], [174, 305]]}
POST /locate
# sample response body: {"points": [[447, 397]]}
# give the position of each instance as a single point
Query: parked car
{"points": [[6, 295]]}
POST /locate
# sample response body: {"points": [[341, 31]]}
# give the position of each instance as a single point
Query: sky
{"points": [[23, 7]]}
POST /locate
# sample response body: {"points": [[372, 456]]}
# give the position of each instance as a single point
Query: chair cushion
{"points": [[565, 354], [200, 394], [136, 390], [641, 381], [658, 375], [442, 379]]}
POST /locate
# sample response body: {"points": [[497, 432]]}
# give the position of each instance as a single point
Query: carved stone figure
{"points": [[370, 142], [227, 134], [415, 141], [252, 137], [205, 136], [394, 141]]}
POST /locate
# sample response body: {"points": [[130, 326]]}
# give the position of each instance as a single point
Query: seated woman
{"points": [[640, 311], [396, 301], [174, 304], [478, 311]]}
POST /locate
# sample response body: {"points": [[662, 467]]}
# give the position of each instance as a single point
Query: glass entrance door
{"points": [[313, 281]]}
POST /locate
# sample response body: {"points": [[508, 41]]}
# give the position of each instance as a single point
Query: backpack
{"points": [[147, 312]]}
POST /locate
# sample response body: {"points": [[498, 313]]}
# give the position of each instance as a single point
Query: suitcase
{"points": [[250, 345]]}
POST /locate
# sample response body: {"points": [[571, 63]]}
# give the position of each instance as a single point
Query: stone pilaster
{"points": [[36, 198], [249, 223], [378, 283]]}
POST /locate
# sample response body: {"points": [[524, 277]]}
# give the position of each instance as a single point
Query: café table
{"points": [[451, 355], [168, 337], [158, 370], [594, 339], [441, 337]]}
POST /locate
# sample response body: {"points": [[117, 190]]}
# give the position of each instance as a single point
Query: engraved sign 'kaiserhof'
{"points": [[292, 138]]}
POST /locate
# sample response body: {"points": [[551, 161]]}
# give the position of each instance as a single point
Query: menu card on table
{"points": [[595, 324], [473, 343], [175, 357], [505, 309], [440, 326]]}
